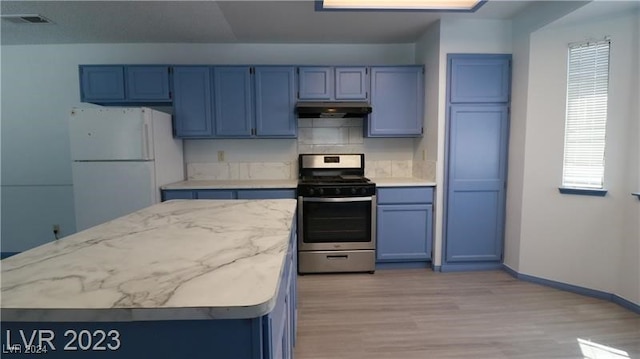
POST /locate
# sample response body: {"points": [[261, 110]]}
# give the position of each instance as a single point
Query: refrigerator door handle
{"points": [[146, 149]]}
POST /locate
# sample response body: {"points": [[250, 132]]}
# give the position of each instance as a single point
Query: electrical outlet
{"points": [[56, 230], [220, 156]]}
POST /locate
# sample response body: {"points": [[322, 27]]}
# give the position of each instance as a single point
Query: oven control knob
{"points": [[337, 190], [311, 191], [354, 191], [363, 191], [320, 191]]}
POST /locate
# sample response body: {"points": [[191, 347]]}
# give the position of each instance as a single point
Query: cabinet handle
{"points": [[334, 257]]}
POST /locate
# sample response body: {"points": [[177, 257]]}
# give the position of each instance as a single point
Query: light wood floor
{"points": [[406, 314]]}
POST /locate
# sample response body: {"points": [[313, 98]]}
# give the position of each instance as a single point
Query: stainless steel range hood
{"points": [[332, 109]]}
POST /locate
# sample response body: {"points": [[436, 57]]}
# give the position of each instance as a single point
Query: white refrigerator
{"points": [[120, 158]]}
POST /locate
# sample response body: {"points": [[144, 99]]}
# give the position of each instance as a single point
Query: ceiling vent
{"points": [[26, 19]]}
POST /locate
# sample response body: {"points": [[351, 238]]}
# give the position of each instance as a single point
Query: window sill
{"points": [[583, 191]]}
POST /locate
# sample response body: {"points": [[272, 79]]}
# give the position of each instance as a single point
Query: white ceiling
{"points": [[222, 22]]}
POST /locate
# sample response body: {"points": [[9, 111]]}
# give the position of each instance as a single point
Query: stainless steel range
{"points": [[336, 215]]}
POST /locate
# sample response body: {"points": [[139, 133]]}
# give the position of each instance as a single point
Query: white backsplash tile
{"points": [[401, 168], [379, 169], [269, 170], [323, 136], [305, 122], [355, 135], [208, 171], [425, 170], [241, 171]]}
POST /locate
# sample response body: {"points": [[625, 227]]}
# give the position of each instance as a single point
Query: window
{"points": [[586, 117]]}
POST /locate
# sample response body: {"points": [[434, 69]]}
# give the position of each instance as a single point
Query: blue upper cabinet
{"points": [[275, 91], [328, 83], [315, 83], [479, 78], [148, 83], [193, 102], [397, 99], [233, 99], [116, 85], [101, 83], [351, 83]]}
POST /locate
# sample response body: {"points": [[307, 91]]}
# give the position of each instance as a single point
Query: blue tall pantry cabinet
{"points": [[478, 100]]}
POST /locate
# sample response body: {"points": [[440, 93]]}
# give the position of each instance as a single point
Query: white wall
{"points": [[40, 85], [523, 25], [581, 240], [425, 157]]}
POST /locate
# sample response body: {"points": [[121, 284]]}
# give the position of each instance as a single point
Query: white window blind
{"points": [[586, 118]]}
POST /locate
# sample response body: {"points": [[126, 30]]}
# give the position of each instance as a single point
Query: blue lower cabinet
{"points": [[404, 224], [403, 232], [215, 194], [228, 194], [177, 194]]}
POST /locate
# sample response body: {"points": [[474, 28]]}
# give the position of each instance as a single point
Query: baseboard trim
{"points": [[574, 289], [402, 265], [4, 255], [461, 267]]}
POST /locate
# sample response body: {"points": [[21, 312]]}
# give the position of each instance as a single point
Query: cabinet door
{"points": [[192, 101], [102, 83], [315, 83], [479, 78], [476, 182], [351, 83], [397, 98], [147, 83], [275, 101], [404, 232], [233, 101]]}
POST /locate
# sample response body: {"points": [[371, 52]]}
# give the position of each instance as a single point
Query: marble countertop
{"points": [[292, 184], [402, 182], [180, 259], [232, 184]]}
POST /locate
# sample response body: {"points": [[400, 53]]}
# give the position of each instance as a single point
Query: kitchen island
{"points": [[180, 279]]}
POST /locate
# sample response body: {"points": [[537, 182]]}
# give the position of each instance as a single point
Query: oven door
{"points": [[341, 223]]}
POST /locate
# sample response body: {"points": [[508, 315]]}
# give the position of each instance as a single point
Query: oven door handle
{"points": [[338, 199]]}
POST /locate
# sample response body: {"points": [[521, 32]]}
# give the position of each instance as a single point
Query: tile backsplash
{"points": [[242, 171], [384, 158]]}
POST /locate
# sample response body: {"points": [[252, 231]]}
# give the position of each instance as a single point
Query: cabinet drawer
{"points": [[405, 195]]}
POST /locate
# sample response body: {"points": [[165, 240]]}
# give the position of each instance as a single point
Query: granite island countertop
{"points": [[180, 259]]}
